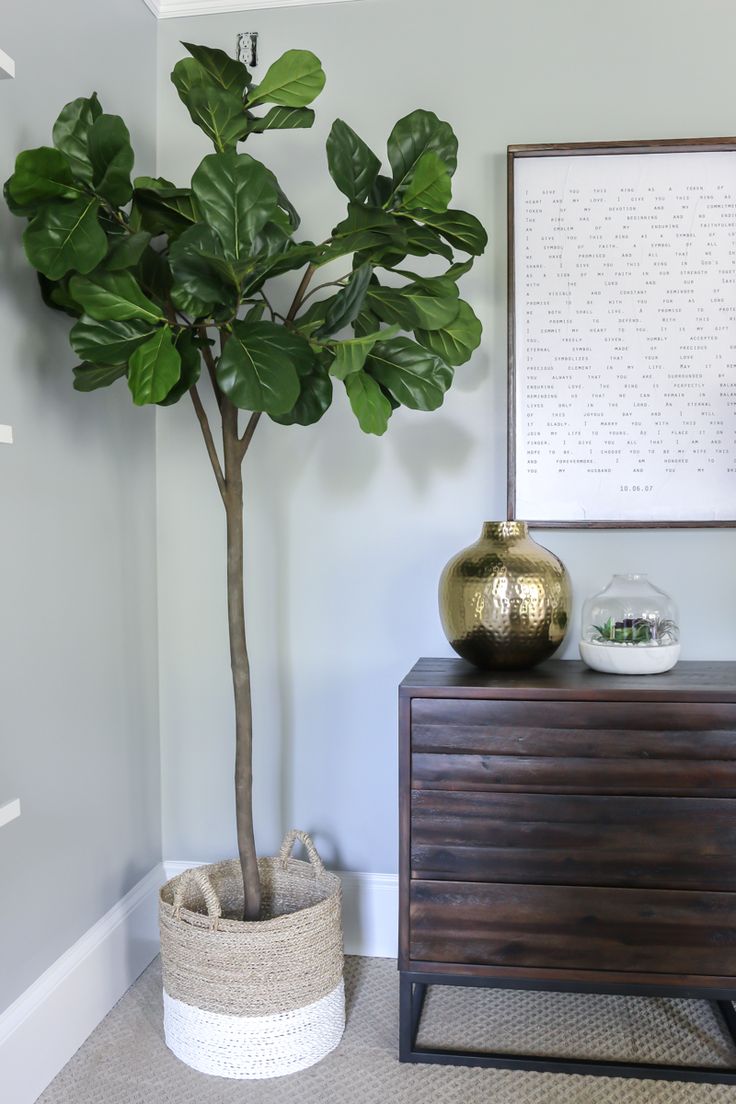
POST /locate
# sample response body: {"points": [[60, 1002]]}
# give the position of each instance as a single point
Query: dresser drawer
{"points": [[573, 928], [574, 747], [648, 842]]}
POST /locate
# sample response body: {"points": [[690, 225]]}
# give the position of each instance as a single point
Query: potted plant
{"points": [[170, 286]]}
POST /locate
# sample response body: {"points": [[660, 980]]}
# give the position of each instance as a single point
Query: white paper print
{"points": [[625, 277]]}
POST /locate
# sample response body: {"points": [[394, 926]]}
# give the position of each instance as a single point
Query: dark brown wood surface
{"points": [[571, 680], [568, 927], [545, 774], [594, 841], [569, 826]]}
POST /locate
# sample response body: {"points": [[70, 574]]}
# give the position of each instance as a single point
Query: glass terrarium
{"points": [[630, 628]]}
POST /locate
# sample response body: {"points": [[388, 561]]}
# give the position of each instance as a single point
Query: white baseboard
{"points": [[43, 1028], [370, 910]]}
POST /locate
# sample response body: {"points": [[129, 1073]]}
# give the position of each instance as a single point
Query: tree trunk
{"points": [[233, 496]]}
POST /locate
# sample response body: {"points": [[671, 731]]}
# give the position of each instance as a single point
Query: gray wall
{"points": [[78, 659], [348, 534]]}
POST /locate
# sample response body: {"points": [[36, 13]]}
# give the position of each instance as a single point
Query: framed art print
{"points": [[622, 334]]}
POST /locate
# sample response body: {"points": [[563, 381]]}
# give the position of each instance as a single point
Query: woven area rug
{"points": [[125, 1060]]}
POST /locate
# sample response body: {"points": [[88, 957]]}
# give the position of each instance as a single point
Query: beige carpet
{"points": [[125, 1060]]}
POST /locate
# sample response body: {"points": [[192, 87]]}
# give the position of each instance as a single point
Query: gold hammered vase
{"points": [[505, 601]]}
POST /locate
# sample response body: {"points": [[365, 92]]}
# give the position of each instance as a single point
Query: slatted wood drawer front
{"points": [[580, 928], [574, 747], [655, 842]]}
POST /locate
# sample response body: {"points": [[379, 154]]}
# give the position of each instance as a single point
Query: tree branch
{"points": [[208, 439], [250, 429], [328, 283], [301, 292], [210, 362], [268, 305], [245, 440]]}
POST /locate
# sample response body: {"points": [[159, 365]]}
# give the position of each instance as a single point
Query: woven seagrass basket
{"points": [[253, 999]]}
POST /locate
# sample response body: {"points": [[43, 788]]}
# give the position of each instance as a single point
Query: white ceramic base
{"points": [[629, 659]]}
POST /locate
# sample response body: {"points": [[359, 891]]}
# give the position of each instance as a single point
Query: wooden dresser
{"points": [[562, 829]]}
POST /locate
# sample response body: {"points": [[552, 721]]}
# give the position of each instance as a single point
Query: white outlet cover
{"points": [[6, 435], [9, 812], [7, 65]]}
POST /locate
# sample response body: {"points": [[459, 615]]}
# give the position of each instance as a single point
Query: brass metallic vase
{"points": [[505, 601]]}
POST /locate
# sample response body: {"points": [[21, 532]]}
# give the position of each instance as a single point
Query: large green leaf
{"points": [[413, 136], [220, 67], [294, 255], [259, 367], [367, 323], [294, 80], [288, 208], [455, 271], [191, 364], [186, 75], [236, 196], [90, 377], [461, 230], [219, 114], [347, 304], [456, 342], [382, 190], [13, 206], [127, 252], [315, 396], [427, 304], [203, 279], [361, 217], [423, 241], [369, 404], [282, 118], [429, 186], [41, 175], [415, 377], [108, 342], [353, 166], [272, 239], [153, 273], [65, 236], [113, 295], [154, 368], [213, 106], [162, 208], [71, 131], [309, 321], [55, 294], [351, 354], [365, 228], [111, 156]]}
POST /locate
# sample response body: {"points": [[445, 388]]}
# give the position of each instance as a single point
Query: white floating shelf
{"points": [[9, 812], [7, 66]]}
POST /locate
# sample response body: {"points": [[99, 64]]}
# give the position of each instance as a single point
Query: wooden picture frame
{"points": [[534, 158]]}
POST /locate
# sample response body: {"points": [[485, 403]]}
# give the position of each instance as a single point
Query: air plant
{"points": [[636, 630]]}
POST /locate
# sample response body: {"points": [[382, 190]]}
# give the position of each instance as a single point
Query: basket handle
{"points": [[288, 846], [199, 875]]}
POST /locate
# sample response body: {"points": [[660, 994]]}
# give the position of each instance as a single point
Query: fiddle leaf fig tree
{"points": [[169, 284]]}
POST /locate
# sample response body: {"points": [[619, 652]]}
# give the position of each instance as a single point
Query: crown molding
{"points": [[176, 9]]}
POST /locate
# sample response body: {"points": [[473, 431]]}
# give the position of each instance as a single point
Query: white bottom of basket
{"points": [[254, 1047]]}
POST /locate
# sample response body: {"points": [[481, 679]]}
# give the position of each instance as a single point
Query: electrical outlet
{"points": [[248, 48], [7, 66], [6, 435], [9, 812]]}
